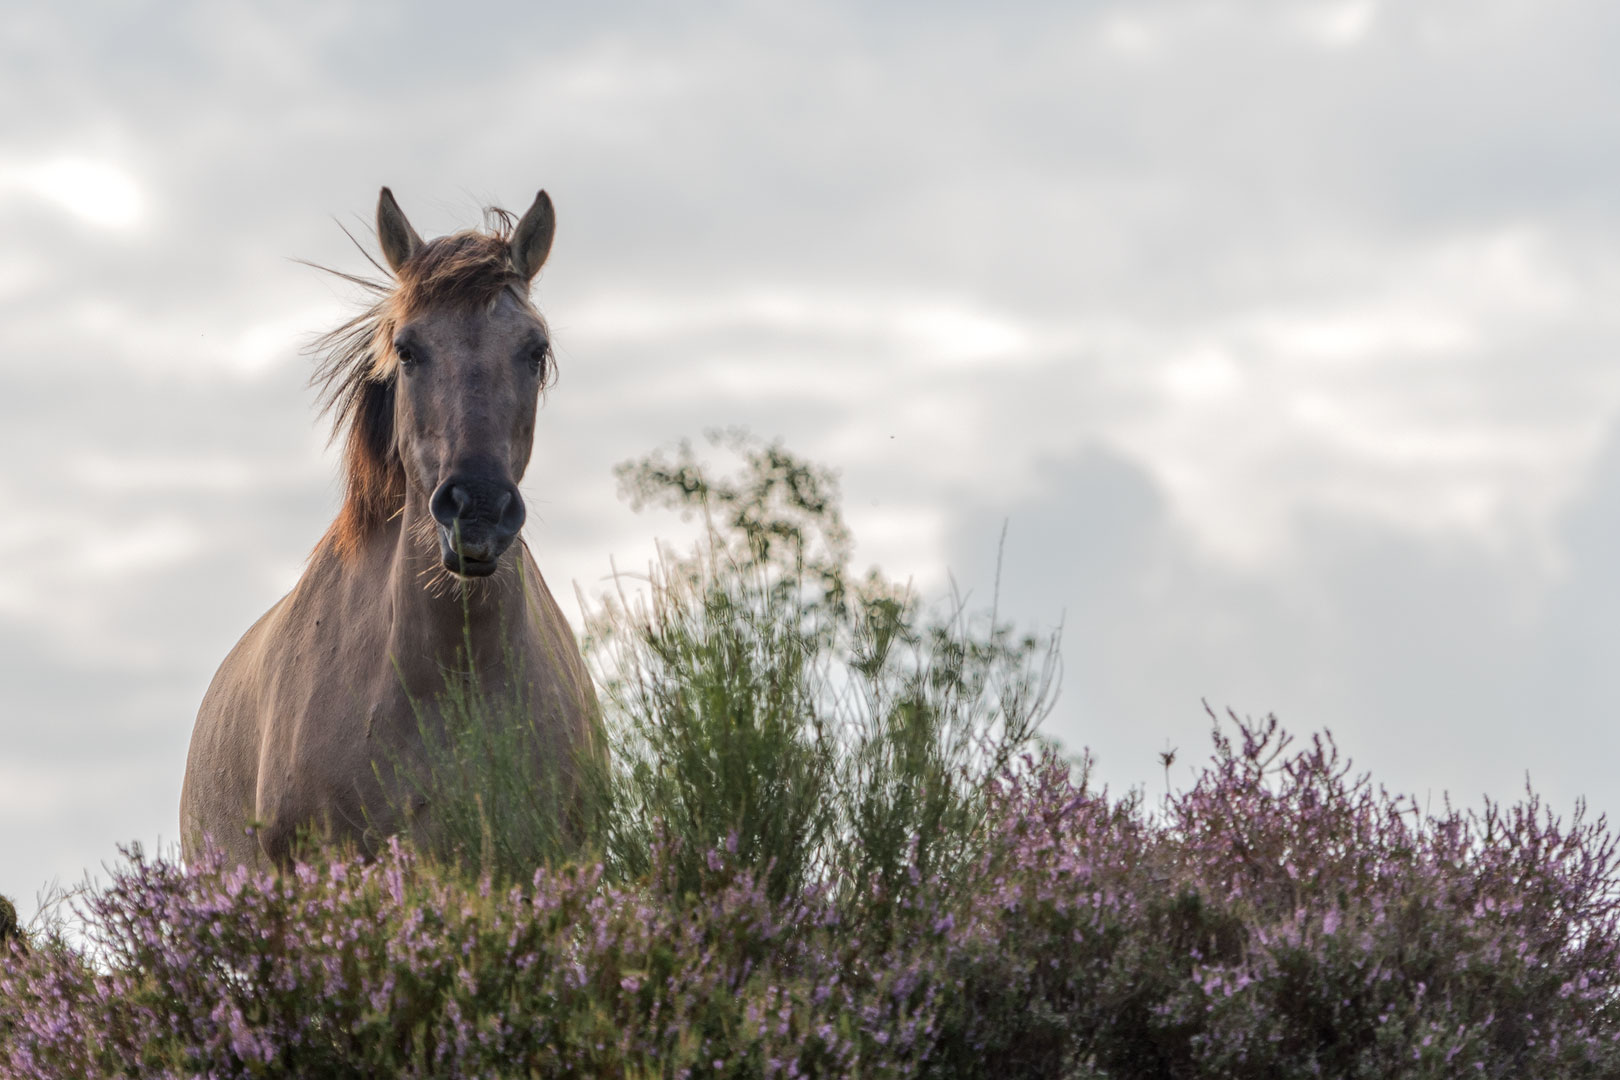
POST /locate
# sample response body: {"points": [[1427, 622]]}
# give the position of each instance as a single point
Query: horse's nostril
{"points": [[448, 504], [511, 514]]}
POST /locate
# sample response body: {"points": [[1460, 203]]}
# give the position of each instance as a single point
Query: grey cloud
{"points": [[1439, 664]]}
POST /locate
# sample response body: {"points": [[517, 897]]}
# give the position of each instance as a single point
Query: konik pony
{"points": [[320, 711]]}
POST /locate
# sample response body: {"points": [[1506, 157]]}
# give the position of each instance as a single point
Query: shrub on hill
{"points": [[828, 845]]}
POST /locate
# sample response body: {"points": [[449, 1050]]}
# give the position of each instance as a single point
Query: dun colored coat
{"points": [[434, 389]]}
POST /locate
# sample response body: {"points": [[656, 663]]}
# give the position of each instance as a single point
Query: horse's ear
{"points": [[531, 240], [399, 241]]}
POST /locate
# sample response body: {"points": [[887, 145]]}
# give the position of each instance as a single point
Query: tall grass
{"points": [[489, 795]]}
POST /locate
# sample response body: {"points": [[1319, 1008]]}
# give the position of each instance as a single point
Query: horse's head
{"points": [[467, 354]]}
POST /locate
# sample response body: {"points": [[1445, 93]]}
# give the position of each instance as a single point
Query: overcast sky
{"points": [[1281, 334]]}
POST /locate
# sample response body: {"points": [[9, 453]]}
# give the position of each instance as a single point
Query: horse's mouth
{"points": [[467, 566], [469, 559]]}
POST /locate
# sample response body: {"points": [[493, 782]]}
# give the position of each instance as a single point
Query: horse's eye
{"points": [[537, 357], [407, 358]]}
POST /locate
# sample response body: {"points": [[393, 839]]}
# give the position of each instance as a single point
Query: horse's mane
{"points": [[357, 371]]}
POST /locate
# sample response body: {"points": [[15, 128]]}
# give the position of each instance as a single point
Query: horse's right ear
{"points": [[531, 240], [399, 241]]}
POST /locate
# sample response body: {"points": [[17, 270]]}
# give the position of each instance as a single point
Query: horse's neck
{"points": [[437, 617]]}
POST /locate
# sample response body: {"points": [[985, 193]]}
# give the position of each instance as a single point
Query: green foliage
{"points": [[760, 697]]}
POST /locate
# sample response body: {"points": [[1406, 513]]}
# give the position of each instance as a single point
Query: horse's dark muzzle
{"points": [[478, 519]]}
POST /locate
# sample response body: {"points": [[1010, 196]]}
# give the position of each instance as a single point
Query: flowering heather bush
{"points": [[396, 969], [1280, 918]]}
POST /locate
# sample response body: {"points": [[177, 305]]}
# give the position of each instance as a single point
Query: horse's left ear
{"points": [[399, 241], [531, 240]]}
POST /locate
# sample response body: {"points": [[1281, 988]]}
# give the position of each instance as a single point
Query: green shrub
{"points": [[762, 698]]}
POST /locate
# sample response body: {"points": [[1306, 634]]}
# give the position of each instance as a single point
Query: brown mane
{"points": [[358, 370]]}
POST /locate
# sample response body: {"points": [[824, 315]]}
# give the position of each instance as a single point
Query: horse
{"points": [[320, 713]]}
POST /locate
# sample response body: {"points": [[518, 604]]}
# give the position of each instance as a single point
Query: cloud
{"points": [[940, 329], [94, 191], [1440, 665], [1339, 25]]}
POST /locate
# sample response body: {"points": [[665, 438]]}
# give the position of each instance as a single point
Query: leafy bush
{"points": [[827, 845], [831, 729]]}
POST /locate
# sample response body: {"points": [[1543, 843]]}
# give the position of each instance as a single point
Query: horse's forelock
{"points": [[463, 270]]}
